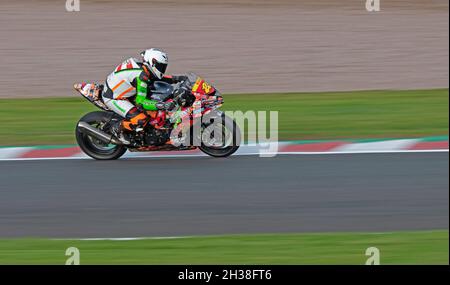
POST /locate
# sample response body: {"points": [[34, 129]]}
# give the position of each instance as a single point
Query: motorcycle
{"points": [[193, 122]]}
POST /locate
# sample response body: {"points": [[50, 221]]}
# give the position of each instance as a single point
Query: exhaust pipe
{"points": [[104, 137]]}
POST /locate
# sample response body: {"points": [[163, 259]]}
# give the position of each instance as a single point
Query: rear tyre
{"points": [[94, 147]]}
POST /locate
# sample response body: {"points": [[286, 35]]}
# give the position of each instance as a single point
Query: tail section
{"points": [[92, 92]]}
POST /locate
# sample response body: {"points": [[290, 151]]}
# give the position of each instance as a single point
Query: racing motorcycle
{"points": [[193, 122]]}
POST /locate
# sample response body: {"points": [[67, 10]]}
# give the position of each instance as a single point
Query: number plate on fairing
{"points": [[202, 87]]}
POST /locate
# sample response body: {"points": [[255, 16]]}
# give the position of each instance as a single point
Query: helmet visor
{"points": [[161, 67]]}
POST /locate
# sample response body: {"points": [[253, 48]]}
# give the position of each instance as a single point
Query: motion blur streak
{"points": [[241, 45]]}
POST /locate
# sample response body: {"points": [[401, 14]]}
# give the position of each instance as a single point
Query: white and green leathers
{"points": [[131, 78]]}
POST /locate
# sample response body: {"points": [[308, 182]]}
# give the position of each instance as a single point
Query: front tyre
{"points": [[94, 147], [226, 142]]}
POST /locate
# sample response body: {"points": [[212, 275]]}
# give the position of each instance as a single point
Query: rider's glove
{"points": [[182, 96]]}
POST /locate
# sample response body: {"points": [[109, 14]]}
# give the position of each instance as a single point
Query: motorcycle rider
{"points": [[131, 79]]}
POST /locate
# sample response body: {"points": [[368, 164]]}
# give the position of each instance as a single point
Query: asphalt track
{"points": [[241, 194]]}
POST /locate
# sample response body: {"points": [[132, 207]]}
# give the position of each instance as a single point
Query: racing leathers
{"points": [[130, 80]]}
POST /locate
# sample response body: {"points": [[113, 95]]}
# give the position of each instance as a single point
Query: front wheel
{"points": [[94, 147], [220, 138]]}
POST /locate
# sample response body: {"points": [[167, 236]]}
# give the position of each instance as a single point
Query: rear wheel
{"points": [[94, 147], [221, 138]]}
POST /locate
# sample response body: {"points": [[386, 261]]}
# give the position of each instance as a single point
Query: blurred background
{"points": [[241, 46]]}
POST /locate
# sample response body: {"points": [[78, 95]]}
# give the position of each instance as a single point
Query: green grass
{"points": [[330, 115], [426, 247]]}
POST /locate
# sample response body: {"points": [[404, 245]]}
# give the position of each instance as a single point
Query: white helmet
{"points": [[156, 60]]}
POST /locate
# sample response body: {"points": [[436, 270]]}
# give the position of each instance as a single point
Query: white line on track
{"points": [[208, 236], [123, 238], [240, 154]]}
